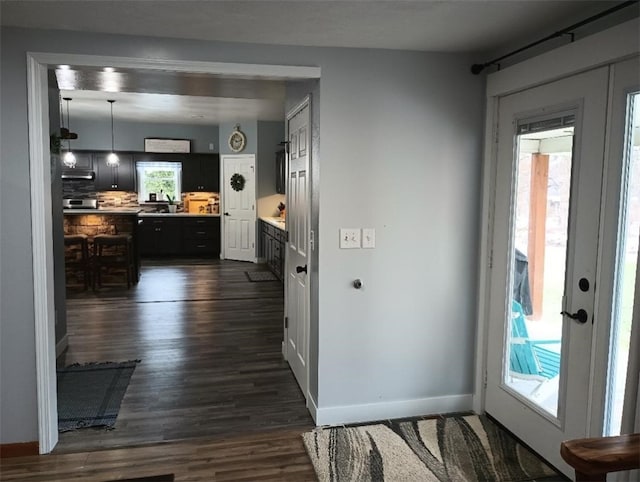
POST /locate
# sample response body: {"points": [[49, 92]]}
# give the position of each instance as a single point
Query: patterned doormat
{"points": [[256, 276], [90, 395], [456, 449]]}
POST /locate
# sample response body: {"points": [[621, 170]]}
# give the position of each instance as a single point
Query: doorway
{"points": [[41, 197], [553, 302]]}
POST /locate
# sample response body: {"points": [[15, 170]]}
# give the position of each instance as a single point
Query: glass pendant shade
{"points": [[69, 159], [112, 159]]}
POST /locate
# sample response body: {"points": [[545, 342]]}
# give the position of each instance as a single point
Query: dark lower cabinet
{"points": [[179, 236], [272, 248], [201, 236], [160, 236]]}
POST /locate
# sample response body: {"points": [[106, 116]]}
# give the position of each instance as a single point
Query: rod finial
{"points": [[477, 68]]}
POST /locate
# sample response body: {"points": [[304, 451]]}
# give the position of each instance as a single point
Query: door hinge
{"points": [[286, 322], [253, 245], [491, 259], [286, 236], [485, 380], [253, 207]]}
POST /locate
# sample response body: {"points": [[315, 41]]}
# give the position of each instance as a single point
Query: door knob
{"points": [[581, 316], [227, 214], [301, 269]]}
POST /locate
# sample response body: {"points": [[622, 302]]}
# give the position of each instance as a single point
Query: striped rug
{"points": [[452, 449]]}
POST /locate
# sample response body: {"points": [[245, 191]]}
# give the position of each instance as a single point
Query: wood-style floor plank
{"points": [[212, 397]]}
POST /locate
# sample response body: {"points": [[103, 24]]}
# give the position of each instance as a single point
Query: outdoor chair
{"points": [[528, 359]]}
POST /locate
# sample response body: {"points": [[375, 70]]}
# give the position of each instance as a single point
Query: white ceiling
{"points": [[483, 27]]}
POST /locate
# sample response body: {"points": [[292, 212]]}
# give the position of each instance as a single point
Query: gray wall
{"points": [[130, 136], [250, 130], [269, 135], [401, 152]]}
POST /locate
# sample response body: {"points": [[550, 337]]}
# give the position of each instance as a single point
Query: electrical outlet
{"points": [[368, 238], [349, 238]]}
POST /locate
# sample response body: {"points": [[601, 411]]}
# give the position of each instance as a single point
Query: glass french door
{"points": [[543, 262]]}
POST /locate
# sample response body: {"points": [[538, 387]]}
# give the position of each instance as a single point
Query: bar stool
{"points": [[76, 256], [112, 251]]}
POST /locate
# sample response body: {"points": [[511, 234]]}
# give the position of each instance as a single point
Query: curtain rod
{"points": [[477, 68]]}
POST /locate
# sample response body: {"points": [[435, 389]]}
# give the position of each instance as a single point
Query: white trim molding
{"points": [[42, 247], [587, 53], [40, 187], [389, 410]]}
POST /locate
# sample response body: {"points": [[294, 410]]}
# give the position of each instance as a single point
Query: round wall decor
{"points": [[237, 140], [237, 182]]}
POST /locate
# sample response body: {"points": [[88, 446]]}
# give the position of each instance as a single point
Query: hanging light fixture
{"points": [[68, 159], [112, 158]]}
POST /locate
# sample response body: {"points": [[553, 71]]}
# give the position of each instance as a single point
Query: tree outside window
{"points": [[159, 177]]}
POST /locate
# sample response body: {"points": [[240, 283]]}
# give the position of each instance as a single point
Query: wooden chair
{"points": [[112, 251], [528, 360], [594, 458], [77, 256]]}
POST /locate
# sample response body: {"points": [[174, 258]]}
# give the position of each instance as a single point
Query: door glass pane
{"points": [[626, 268], [539, 239]]}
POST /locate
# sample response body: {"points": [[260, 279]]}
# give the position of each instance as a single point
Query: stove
{"points": [[79, 204]]}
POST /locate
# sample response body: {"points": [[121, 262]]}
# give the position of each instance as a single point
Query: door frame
{"points": [[604, 48], [255, 204], [305, 102], [40, 191]]}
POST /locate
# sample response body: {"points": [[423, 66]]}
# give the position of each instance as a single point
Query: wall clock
{"points": [[237, 140]]}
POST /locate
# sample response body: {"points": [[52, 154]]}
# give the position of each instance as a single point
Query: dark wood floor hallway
{"points": [[209, 341]]}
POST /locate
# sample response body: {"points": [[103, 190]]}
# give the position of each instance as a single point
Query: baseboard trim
{"points": [[390, 410], [313, 408], [62, 345], [19, 450]]}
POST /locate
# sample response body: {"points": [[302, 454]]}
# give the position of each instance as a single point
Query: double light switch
{"points": [[355, 238]]}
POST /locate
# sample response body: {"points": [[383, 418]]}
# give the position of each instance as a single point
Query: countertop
{"points": [[118, 211], [178, 215], [274, 221]]}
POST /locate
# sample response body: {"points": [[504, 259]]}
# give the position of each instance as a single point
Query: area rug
{"points": [[261, 276], [455, 449], [90, 395]]}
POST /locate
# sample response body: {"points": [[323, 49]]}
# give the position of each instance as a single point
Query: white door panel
{"points": [[297, 259], [239, 214], [547, 200]]}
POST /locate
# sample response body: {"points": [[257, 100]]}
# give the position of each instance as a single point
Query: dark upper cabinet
{"points": [[84, 160], [121, 178], [201, 172], [281, 164]]}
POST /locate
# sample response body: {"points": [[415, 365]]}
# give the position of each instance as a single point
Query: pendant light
{"points": [[112, 158], [68, 159]]}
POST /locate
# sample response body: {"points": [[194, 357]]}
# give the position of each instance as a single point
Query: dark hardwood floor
{"points": [[209, 341]]}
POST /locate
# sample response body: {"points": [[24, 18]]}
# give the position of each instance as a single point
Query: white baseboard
{"points": [[62, 345], [390, 410], [313, 408]]}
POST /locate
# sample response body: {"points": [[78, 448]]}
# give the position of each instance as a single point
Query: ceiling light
{"points": [[112, 158], [69, 159], [64, 67]]}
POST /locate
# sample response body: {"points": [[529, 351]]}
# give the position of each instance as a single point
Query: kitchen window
{"points": [[159, 178]]}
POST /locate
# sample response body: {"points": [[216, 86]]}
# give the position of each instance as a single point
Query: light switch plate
{"points": [[368, 238], [349, 238]]}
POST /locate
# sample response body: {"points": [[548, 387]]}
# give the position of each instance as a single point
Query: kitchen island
{"points": [[92, 222], [180, 234]]}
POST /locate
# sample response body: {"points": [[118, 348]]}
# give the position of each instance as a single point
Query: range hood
{"points": [[78, 174]]}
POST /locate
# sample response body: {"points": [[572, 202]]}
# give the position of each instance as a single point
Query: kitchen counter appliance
{"points": [[79, 203]]}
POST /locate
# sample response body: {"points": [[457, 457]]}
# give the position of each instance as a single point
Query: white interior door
{"points": [[239, 208], [545, 245], [297, 255]]}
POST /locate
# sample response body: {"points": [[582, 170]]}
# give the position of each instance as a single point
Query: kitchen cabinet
{"points": [[272, 247], [201, 172], [281, 172], [160, 236], [180, 235], [201, 236], [84, 160], [121, 178]]}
